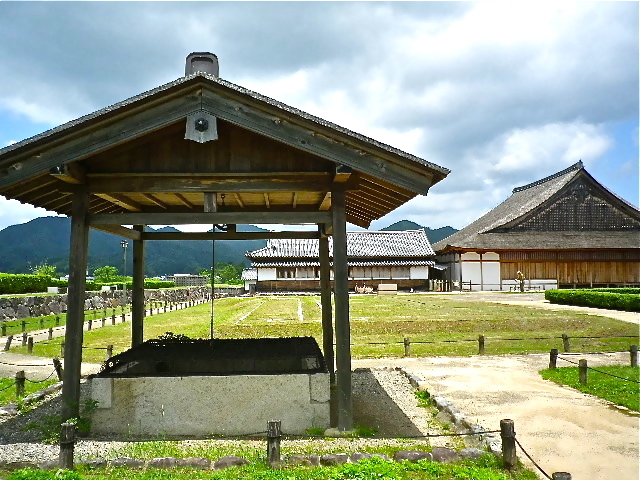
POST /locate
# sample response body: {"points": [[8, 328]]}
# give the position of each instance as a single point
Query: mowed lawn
{"points": [[436, 325]]}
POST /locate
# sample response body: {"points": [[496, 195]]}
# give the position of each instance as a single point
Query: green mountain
{"points": [[434, 235], [46, 239]]}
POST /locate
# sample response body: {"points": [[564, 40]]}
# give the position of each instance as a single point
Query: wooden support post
{"points": [[343, 329], [41, 322], [57, 364], [508, 436], [62, 349], [30, 345], [23, 324], [109, 351], [50, 333], [481, 345], [4, 330], [67, 441], [20, 379], [582, 368], [633, 353], [24, 339], [57, 320], [561, 476], [565, 342], [325, 302], [113, 317], [122, 316], [89, 324], [137, 293], [407, 347], [102, 320], [273, 442], [72, 346], [553, 358], [7, 345]]}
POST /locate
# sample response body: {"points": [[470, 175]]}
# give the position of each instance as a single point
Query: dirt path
{"points": [[562, 429]]}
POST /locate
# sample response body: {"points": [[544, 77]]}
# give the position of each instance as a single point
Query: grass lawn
{"points": [[8, 389], [446, 326], [612, 389], [487, 468]]}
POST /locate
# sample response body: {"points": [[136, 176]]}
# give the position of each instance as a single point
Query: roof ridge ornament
{"points": [[202, 62]]}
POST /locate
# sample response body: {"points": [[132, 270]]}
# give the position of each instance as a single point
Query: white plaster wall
{"points": [[419, 273], [200, 406], [490, 256], [266, 274], [471, 272], [490, 275], [470, 256]]}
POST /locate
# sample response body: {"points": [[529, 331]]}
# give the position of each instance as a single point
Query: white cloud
{"points": [[13, 212]]}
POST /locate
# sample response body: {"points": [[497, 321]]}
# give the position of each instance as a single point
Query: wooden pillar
{"points": [[137, 294], [341, 296], [79, 245], [325, 302]]}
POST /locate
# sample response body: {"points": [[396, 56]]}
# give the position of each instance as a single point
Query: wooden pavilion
{"points": [[202, 150]]}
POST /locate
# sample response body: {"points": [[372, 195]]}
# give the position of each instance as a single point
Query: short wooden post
{"points": [[565, 342], [165, 307], [481, 345], [24, 339], [102, 320], [109, 351], [407, 347], [62, 349], [67, 441], [122, 315], [41, 322], [30, 345], [50, 333], [7, 345], [561, 476], [57, 320], [633, 352], [4, 329], [89, 323], [273, 442], [20, 379], [113, 318], [553, 358], [508, 435], [151, 309], [583, 371], [57, 364], [23, 323]]}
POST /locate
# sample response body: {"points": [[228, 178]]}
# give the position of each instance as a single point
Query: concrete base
{"points": [[199, 406]]}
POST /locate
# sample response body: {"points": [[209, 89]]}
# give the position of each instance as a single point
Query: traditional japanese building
{"points": [[565, 230], [403, 258]]}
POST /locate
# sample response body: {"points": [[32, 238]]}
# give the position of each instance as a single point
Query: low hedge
{"points": [[629, 302], [11, 283], [635, 291]]}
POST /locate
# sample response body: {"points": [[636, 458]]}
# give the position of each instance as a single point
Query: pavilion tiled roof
{"points": [[396, 245]]}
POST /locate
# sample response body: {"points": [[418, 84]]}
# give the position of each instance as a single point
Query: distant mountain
{"points": [[434, 235], [46, 239]]}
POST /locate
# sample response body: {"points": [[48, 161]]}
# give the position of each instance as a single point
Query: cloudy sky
{"points": [[501, 93]]}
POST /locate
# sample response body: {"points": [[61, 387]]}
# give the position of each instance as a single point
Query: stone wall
{"points": [[16, 308]]}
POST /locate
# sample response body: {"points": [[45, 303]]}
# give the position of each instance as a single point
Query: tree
{"points": [[106, 274], [45, 269]]}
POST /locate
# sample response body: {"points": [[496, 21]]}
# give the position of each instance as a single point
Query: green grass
{"points": [[14, 327], [614, 390], [447, 326], [8, 389], [487, 468]]}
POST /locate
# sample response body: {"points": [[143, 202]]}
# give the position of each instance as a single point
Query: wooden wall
{"points": [[303, 285]]}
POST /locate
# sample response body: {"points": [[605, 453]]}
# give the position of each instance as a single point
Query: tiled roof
{"points": [[364, 244], [351, 263], [481, 233]]}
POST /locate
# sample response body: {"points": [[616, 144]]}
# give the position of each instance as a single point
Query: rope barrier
{"points": [[42, 381], [22, 365], [532, 460], [8, 387], [600, 371]]}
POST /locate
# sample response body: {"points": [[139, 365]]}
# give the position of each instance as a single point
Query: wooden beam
{"points": [[239, 200], [157, 184], [184, 201], [325, 302], [228, 235], [337, 148], [266, 200], [294, 200], [325, 204], [105, 132], [122, 200], [137, 295], [209, 218], [69, 173], [119, 230], [341, 297], [210, 202], [155, 200]]}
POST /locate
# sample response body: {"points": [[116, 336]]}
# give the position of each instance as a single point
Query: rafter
{"points": [[122, 200], [155, 200]]}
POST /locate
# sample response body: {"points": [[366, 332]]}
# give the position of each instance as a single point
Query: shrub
{"points": [[629, 302], [10, 283]]}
